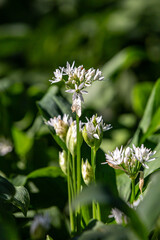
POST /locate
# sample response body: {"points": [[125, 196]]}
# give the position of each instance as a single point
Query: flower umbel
{"points": [[60, 125], [130, 159], [76, 79]]}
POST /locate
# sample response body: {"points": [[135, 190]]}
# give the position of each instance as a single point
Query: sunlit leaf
{"points": [[22, 142], [46, 172]]}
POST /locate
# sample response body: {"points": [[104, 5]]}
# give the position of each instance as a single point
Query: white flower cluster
{"points": [[130, 159], [95, 126], [78, 78], [60, 125]]}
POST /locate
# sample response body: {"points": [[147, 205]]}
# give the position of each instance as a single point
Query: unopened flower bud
{"points": [[63, 161], [141, 181], [71, 138], [87, 172]]}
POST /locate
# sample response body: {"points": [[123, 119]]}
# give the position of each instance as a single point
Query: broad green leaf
{"points": [[122, 60], [53, 104], [21, 199], [123, 185], [7, 190], [140, 96], [150, 122], [52, 172], [22, 142], [149, 208]]}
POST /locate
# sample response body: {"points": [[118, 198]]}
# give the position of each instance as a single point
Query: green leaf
{"points": [[52, 172], [21, 199], [53, 104], [22, 142], [140, 96], [149, 208], [123, 185], [7, 190], [150, 122]]}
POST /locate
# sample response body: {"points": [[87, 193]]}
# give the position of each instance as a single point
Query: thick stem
{"points": [[70, 195]]}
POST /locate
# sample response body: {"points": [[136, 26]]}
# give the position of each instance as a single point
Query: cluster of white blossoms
{"points": [[76, 79], [60, 125], [66, 128], [130, 159], [93, 131]]}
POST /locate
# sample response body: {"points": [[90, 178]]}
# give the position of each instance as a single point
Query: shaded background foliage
{"points": [[120, 37]]}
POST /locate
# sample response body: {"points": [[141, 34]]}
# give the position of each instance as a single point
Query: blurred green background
{"points": [[122, 38]]}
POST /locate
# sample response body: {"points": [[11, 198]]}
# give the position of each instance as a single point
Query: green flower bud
{"points": [[63, 161], [71, 139], [87, 172]]}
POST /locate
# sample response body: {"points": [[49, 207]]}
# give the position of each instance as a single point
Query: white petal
{"points": [[96, 135]]}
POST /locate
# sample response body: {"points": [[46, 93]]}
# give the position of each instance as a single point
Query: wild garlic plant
{"points": [[72, 132]]}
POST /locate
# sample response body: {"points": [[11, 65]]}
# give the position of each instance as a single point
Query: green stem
{"points": [[98, 212], [95, 206], [70, 195], [133, 191], [94, 210], [78, 174], [74, 174], [78, 157], [93, 159]]}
